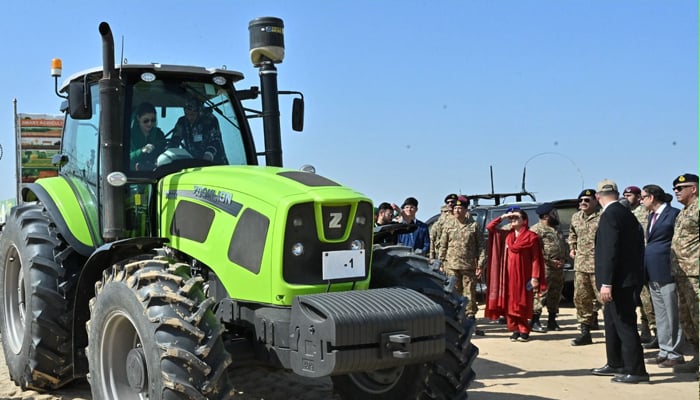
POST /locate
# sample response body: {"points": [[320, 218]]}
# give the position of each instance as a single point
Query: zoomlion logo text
{"points": [[213, 195]]}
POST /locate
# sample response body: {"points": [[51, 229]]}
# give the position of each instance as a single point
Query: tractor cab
{"points": [[175, 117]]}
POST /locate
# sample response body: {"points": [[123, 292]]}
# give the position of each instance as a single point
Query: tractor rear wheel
{"points": [[449, 376], [37, 268], [152, 335]]}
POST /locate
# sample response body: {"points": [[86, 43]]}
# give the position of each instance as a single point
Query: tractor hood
{"points": [[247, 221], [269, 185]]}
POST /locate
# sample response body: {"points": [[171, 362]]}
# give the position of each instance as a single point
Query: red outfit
{"points": [[513, 261]]}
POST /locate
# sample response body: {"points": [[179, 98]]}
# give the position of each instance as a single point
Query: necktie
{"points": [[653, 221]]}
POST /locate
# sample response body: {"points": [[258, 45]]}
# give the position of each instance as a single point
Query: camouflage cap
{"points": [[686, 178], [192, 104]]}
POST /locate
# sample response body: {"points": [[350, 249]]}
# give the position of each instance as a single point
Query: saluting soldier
{"points": [[462, 252], [554, 252], [584, 224], [685, 256]]}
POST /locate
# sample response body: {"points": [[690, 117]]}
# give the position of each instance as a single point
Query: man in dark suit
{"points": [[662, 286], [619, 255]]}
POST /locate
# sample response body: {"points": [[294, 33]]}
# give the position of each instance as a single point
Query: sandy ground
{"points": [[547, 367]]}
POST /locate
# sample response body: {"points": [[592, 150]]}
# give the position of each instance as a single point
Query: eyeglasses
{"points": [[584, 200], [680, 188], [450, 202], [148, 120], [644, 196]]}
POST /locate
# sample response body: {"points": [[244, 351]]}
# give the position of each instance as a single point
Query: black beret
{"points": [[685, 178], [450, 196], [587, 192], [544, 209], [411, 201]]}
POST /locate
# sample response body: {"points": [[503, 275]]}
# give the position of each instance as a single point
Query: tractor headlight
{"points": [[297, 222], [357, 244], [360, 220], [298, 249]]}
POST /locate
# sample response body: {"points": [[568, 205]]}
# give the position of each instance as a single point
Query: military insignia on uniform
{"points": [[588, 192], [681, 178]]}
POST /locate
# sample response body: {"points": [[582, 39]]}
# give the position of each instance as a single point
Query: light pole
{"points": [[553, 153]]}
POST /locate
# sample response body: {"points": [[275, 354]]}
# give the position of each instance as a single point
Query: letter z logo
{"points": [[335, 220]]}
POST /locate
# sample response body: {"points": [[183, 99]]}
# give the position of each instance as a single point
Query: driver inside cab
{"points": [[147, 141]]}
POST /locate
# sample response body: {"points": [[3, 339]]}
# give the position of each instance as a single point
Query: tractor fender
{"points": [[70, 215], [101, 259]]}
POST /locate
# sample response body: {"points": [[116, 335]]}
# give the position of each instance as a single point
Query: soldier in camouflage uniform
{"points": [[584, 224], [437, 228], [633, 195], [462, 253], [554, 252], [685, 260]]}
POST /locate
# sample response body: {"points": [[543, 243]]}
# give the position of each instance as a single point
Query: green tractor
{"points": [[153, 280]]}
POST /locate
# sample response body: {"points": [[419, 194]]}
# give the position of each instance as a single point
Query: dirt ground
{"points": [[547, 367]]}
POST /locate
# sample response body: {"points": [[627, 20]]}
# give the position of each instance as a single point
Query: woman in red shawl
{"points": [[515, 268]]}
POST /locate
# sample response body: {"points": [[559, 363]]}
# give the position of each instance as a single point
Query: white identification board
{"points": [[343, 264]]}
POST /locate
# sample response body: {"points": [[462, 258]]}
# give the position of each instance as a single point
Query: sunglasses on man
{"points": [[679, 188]]}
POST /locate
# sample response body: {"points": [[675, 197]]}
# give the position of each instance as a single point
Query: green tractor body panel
{"points": [[241, 222], [75, 205]]}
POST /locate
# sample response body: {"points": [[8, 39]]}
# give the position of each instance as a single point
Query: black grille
{"points": [[307, 268]]}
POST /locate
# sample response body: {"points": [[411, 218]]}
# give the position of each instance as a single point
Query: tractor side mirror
{"points": [[298, 114], [79, 101]]}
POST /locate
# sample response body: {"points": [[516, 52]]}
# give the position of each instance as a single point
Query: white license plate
{"points": [[343, 264]]}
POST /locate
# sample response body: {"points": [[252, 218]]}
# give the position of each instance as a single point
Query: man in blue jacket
{"points": [[418, 240]]}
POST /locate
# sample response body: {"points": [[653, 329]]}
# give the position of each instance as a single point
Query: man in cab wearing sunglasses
{"points": [[584, 224]]}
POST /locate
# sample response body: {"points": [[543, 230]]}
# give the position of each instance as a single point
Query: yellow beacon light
{"points": [[56, 67]]}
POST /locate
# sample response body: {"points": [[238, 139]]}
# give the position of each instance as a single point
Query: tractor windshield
{"points": [[184, 123]]}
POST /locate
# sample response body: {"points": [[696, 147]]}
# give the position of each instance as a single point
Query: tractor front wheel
{"points": [[153, 335]]}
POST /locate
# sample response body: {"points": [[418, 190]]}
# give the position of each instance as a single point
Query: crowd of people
{"points": [[631, 251]]}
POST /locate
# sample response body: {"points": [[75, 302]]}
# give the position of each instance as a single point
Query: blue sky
{"points": [[416, 98]]}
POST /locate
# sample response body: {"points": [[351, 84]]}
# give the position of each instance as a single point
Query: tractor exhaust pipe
{"points": [[266, 50], [111, 141]]}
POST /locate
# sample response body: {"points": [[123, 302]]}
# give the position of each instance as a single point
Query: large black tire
{"points": [[152, 334], [445, 378], [37, 268]]}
